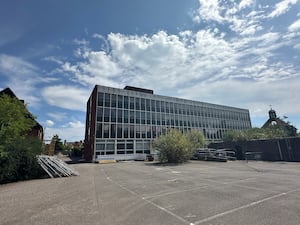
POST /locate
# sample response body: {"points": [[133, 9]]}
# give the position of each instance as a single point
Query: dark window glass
{"points": [[153, 118], [143, 104], [113, 115], [125, 116], [99, 130], [100, 114], [163, 119], [158, 118], [176, 108], [131, 131], [167, 107], [106, 114], [113, 101], [126, 131], [157, 106], [162, 107], [120, 116], [100, 98], [137, 132], [113, 130], [153, 132], [137, 117], [121, 146], [131, 102], [107, 100], [148, 108], [143, 119], [131, 117], [153, 105], [119, 130], [137, 103], [148, 131], [120, 101], [143, 131], [148, 118], [171, 107], [106, 131], [129, 145], [126, 102]]}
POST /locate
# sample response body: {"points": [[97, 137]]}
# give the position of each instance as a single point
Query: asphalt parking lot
{"points": [[136, 193]]}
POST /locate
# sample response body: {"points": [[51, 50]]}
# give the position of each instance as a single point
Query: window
{"points": [[153, 105], [137, 117], [113, 101], [100, 114], [143, 119], [126, 102], [148, 107], [131, 102], [120, 117], [106, 131], [120, 101], [143, 104], [125, 130], [99, 130], [100, 98], [119, 130], [106, 114], [131, 117], [131, 131], [113, 130], [125, 116], [107, 100], [113, 115], [137, 103]]}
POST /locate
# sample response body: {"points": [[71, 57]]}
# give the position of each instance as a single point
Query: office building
{"points": [[121, 123]]}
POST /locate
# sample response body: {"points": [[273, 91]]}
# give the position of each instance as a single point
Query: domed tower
{"points": [[272, 114], [273, 119]]}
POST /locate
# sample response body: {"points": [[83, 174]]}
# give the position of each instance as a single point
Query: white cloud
{"points": [[294, 26], [68, 131], [76, 124], [68, 97], [16, 69], [282, 7], [57, 116], [49, 123]]}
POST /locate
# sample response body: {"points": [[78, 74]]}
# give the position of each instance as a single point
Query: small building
{"points": [[37, 130], [121, 123]]}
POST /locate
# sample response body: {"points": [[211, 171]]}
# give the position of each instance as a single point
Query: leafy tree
{"points": [[17, 152], [59, 146], [273, 131], [18, 161], [15, 120], [196, 139], [175, 147], [233, 135]]}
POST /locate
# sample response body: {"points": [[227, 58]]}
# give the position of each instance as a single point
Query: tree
{"points": [[59, 146], [17, 151], [175, 147], [15, 120]]}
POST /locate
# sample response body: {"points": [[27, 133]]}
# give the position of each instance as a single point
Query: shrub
{"points": [[175, 147], [18, 160]]}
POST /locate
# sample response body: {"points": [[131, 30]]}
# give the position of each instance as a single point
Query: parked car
{"points": [[209, 154]]}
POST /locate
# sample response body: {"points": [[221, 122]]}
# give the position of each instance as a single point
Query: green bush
{"points": [[18, 160], [175, 147]]}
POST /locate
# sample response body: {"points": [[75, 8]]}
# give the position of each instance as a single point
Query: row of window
{"points": [[122, 147], [139, 117], [112, 130], [135, 103]]}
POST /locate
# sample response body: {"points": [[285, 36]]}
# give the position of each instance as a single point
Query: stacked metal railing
{"points": [[55, 167]]}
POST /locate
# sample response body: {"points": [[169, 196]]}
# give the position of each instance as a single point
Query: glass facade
{"points": [[127, 121]]}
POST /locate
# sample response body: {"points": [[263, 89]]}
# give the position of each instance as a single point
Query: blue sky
{"points": [[238, 53]]}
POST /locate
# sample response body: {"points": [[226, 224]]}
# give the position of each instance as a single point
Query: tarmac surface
{"points": [[137, 193]]}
